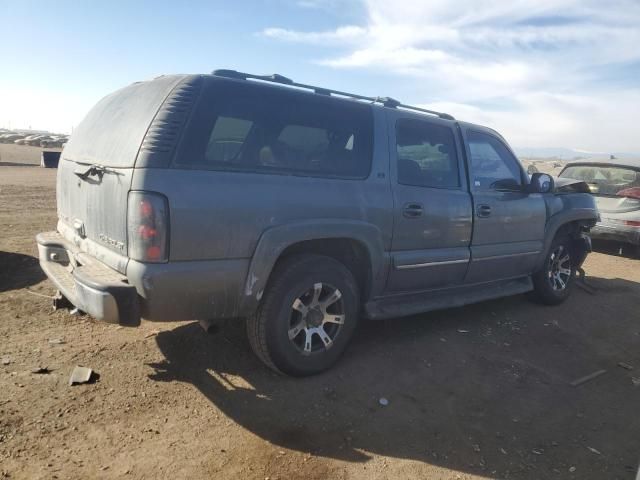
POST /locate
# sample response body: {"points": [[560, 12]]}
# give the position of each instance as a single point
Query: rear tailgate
{"points": [[96, 168]]}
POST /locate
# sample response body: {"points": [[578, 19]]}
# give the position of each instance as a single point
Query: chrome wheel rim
{"points": [[317, 317], [559, 269]]}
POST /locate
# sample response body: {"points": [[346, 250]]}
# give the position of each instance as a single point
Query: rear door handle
{"points": [[412, 210], [483, 211]]}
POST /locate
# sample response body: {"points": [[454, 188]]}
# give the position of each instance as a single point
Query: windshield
{"points": [[604, 179]]}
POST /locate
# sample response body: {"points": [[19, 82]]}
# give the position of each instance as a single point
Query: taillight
{"points": [[633, 192], [631, 223], [148, 225]]}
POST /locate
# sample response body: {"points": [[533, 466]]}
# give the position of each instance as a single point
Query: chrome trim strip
{"points": [[429, 264], [494, 257]]}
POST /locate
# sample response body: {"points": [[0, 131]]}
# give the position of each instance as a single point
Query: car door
{"points": [[509, 223], [432, 206]]}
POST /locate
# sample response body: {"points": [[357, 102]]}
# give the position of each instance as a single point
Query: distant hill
{"points": [[567, 153]]}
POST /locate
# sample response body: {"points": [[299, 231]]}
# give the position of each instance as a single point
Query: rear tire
{"points": [[306, 317], [554, 281]]}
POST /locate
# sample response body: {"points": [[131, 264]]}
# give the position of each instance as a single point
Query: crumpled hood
{"points": [[569, 185]]}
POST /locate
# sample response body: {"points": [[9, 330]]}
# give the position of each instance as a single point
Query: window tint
{"points": [[491, 161], [244, 126], [426, 155]]}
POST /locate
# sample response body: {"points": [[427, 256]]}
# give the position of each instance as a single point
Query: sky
{"points": [[544, 73]]}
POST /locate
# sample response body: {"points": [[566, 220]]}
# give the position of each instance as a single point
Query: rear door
{"points": [[432, 212], [509, 223], [96, 168]]}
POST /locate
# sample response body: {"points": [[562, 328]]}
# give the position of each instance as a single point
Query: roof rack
{"points": [[282, 80]]}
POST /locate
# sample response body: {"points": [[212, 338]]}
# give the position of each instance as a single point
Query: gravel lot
{"points": [[476, 392]]}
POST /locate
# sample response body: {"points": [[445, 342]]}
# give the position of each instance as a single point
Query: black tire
{"points": [[550, 286], [292, 289]]}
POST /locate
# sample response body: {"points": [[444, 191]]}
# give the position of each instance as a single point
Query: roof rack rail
{"points": [[276, 78]]}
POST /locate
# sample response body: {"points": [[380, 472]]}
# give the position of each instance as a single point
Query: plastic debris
{"points": [[589, 377], [383, 401], [56, 341], [460, 330], [593, 450], [82, 375], [572, 469], [6, 361]]}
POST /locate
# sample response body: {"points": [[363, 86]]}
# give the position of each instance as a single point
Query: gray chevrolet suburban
{"points": [[300, 210]]}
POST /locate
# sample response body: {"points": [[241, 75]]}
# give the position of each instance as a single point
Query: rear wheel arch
{"points": [[357, 245]]}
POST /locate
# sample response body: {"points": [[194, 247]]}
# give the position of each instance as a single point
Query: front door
{"points": [[433, 211], [509, 223]]}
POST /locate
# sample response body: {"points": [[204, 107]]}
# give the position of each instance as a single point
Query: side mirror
{"points": [[541, 183]]}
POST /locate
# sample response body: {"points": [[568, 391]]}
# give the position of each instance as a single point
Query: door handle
{"points": [[483, 211], [412, 210]]}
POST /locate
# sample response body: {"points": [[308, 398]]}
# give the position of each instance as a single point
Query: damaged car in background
{"points": [[615, 185]]}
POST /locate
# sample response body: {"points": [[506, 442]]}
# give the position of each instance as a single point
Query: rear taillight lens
{"points": [[631, 223], [633, 192], [148, 227]]}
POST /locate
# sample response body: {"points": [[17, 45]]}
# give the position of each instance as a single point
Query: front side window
{"points": [[257, 128], [426, 154], [492, 164]]}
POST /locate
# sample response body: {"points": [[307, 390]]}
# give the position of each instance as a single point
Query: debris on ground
{"points": [[460, 330], [587, 378], [6, 361], [537, 451], [383, 401], [626, 366], [56, 341], [41, 370], [593, 450], [82, 375], [635, 381], [572, 469]]}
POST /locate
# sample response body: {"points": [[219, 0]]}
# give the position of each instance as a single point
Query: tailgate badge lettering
{"points": [[110, 241]]}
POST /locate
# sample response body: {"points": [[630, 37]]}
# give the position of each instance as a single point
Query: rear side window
{"points": [[248, 127], [426, 155], [491, 161]]}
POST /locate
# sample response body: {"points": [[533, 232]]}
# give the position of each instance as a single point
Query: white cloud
{"points": [[341, 34], [544, 56]]}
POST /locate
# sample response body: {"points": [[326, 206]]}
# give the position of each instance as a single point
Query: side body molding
{"points": [[275, 240]]}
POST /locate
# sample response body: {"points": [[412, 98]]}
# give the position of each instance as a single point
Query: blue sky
{"points": [[546, 73]]}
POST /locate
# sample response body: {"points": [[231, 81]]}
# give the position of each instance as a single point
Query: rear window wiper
{"points": [[94, 170]]}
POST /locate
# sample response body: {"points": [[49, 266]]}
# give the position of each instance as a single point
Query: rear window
{"points": [[113, 130], [604, 179], [249, 127]]}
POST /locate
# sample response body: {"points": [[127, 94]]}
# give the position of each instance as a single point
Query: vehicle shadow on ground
{"points": [[483, 389], [19, 271], [617, 249]]}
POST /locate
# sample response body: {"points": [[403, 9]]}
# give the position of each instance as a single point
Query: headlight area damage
{"points": [[568, 185]]}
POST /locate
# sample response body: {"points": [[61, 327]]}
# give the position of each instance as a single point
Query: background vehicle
{"points": [[300, 209], [616, 186]]}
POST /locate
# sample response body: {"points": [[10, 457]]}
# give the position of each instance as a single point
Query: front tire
{"points": [[306, 317], [553, 283]]}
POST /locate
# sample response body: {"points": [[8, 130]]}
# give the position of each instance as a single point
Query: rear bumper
{"points": [[618, 233], [87, 283]]}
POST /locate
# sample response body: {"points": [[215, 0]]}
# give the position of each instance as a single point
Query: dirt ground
{"points": [[477, 392]]}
